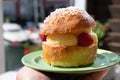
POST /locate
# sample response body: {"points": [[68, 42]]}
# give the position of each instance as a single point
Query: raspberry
{"points": [[42, 37], [85, 39]]}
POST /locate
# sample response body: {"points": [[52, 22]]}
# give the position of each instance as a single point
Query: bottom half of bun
{"points": [[72, 56]]}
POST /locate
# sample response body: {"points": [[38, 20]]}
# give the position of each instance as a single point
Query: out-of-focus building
{"points": [[18, 9], [37, 10], [30, 9], [9, 8]]}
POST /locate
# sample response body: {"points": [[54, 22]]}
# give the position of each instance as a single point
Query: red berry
{"points": [[85, 39], [42, 37]]}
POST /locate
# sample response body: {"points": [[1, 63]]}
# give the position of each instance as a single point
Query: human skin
{"points": [[26, 73]]}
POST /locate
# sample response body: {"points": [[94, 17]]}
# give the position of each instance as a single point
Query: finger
{"points": [[27, 73], [99, 75]]}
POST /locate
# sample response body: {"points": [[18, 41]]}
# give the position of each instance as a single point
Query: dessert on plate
{"points": [[67, 38]]}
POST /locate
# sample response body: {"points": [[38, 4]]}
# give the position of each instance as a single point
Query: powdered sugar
{"points": [[62, 12], [69, 11]]}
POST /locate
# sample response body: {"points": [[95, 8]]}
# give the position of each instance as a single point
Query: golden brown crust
{"points": [[67, 20], [73, 56]]}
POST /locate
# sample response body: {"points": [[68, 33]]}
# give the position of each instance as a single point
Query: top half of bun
{"points": [[67, 20]]}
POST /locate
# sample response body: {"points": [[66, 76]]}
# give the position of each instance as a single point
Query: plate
{"points": [[105, 59]]}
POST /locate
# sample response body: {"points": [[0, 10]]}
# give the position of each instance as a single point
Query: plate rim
{"points": [[73, 70]]}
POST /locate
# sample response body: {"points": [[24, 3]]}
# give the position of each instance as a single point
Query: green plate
{"points": [[105, 59]]}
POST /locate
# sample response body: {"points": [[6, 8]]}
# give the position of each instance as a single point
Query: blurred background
{"points": [[22, 20]]}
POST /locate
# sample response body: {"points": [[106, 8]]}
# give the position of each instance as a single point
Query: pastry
{"points": [[67, 38]]}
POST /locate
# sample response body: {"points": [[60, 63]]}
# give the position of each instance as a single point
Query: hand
{"points": [[27, 73]]}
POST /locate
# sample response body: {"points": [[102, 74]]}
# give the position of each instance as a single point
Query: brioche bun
{"points": [[62, 28], [68, 20]]}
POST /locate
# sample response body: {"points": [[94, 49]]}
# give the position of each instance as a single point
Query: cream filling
{"points": [[67, 39], [62, 39], [95, 38]]}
